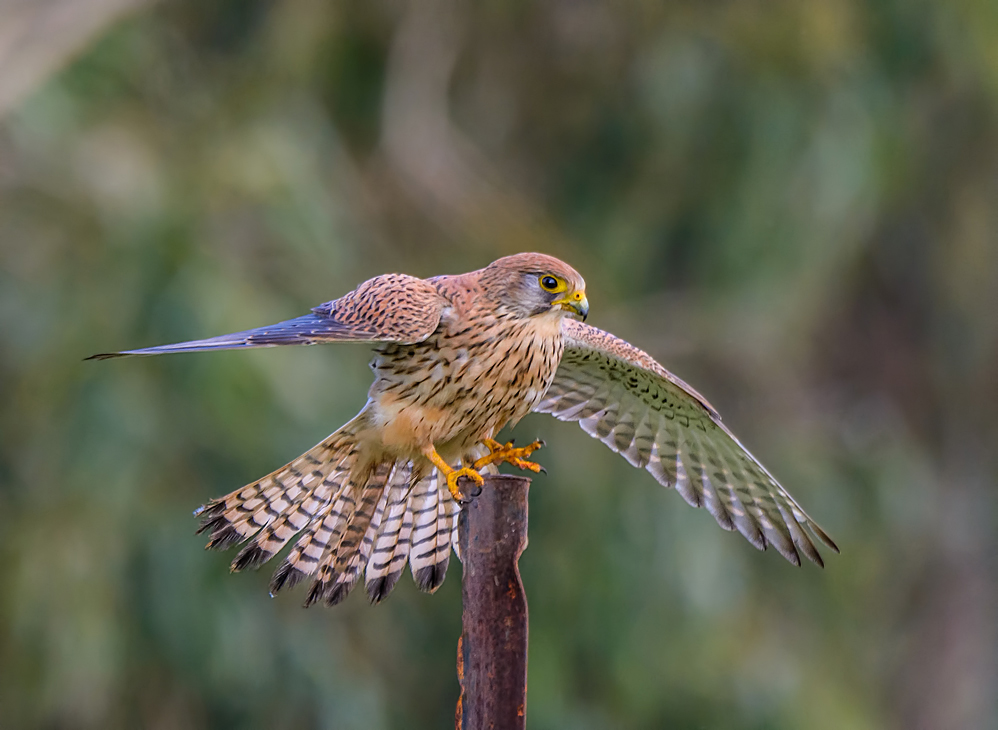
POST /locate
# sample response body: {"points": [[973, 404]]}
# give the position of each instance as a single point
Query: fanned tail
{"points": [[281, 504], [391, 540], [346, 555], [345, 517], [433, 515]]}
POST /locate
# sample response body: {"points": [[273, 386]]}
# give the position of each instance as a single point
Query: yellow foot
{"points": [[456, 474], [453, 474], [511, 455]]}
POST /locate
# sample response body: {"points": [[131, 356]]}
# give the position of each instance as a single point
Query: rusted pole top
{"points": [[492, 651]]}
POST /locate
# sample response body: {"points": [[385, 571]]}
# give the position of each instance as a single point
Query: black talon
{"points": [[467, 495], [467, 499], [543, 470]]}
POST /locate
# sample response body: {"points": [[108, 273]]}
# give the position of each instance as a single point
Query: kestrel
{"points": [[457, 358]]}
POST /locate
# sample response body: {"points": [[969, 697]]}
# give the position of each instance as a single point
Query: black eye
{"points": [[549, 283]]}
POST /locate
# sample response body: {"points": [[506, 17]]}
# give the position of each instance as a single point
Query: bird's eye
{"points": [[549, 283]]}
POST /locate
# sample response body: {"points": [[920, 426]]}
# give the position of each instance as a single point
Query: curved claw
{"points": [[469, 473], [508, 453], [467, 496], [452, 475], [528, 465]]}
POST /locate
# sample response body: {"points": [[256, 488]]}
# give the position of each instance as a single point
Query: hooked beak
{"points": [[575, 302]]}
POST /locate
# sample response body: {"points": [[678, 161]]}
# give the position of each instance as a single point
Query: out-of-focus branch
{"points": [[38, 37]]}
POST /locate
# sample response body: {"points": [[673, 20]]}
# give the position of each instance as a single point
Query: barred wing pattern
{"points": [[344, 525], [622, 396]]}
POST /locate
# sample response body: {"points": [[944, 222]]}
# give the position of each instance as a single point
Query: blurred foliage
{"points": [[792, 205]]}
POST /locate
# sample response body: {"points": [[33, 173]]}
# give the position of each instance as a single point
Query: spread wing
{"points": [[622, 396], [389, 308]]}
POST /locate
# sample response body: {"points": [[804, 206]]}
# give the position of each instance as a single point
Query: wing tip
{"points": [[751, 533], [823, 536], [792, 556]]}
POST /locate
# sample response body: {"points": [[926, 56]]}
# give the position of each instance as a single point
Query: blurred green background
{"points": [[794, 206]]}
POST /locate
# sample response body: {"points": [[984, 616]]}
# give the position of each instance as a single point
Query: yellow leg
{"points": [[453, 474], [507, 453]]}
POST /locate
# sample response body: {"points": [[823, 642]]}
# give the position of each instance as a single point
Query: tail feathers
{"points": [[448, 512], [269, 541], [345, 519], [390, 550], [307, 554], [238, 516], [433, 513], [344, 560]]}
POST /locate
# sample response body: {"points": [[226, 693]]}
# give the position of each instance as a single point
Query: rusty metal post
{"points": [[492, 650]]}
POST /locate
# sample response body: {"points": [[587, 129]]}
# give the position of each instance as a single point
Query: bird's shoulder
{"points": [[457, 287], [463, 293]]}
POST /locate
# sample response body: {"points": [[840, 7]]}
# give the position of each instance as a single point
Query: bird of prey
{"points": [[457, 358]]}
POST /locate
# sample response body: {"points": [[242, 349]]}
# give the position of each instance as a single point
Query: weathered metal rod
{"points": [[492, 650]]}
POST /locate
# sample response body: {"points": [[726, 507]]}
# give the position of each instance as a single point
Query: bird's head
{"points": [[531, 284]]}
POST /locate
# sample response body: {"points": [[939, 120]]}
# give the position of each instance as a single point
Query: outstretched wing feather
{"points": [[623, 397]]}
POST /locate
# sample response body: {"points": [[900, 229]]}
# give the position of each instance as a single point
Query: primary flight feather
{"points": [[457, 359]]}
